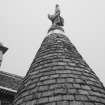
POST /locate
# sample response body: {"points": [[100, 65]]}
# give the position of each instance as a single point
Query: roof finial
{"points": [[57, 20]]}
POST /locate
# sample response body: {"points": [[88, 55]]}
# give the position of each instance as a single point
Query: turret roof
{"points": [[59, 75]]}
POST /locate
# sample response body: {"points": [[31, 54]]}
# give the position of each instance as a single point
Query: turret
{"points": [[58, 74]]}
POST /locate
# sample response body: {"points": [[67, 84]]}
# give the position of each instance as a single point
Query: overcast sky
{"points": [[24, 24]]}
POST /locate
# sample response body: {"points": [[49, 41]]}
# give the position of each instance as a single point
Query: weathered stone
{"points": [[81, 97], [83, 92], [43, 88], [47, 93], [60, 91], [76, 103], [42, 100], [28, 98], [90, 103], [99, 104], [72, 91], [63, 103], [51, 81], [70, 80], [79, 81], [76, 86], [54, 76], [61, 80], [69, 85], [86, 87], [44, 78], [68, 97]]}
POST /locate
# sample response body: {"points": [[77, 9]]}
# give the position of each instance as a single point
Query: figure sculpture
{"points": [[56, 19]]}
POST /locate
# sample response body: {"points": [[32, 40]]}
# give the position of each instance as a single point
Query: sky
{"points": [[24, 25]]}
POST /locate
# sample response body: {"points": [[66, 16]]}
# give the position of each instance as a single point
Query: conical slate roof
{"points": [[58, 75]]}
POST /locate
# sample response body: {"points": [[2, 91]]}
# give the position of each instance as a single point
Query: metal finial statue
{"points": [[57, 20]]}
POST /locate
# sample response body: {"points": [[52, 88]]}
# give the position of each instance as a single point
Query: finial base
{"points": [[55, 27]]}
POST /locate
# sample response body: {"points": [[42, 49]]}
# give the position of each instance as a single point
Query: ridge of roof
{"points": [[11, 75], [9, 89]]}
